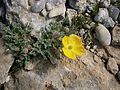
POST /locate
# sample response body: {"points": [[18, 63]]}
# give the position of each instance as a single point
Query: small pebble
{"points": [[87, 26], [44, 12]]}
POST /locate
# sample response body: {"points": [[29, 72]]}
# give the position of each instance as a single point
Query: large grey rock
{"points": [[108, 22], [6, 61], [104, 3], [114, 12], [88, 73], [102, 14], [116, 36], [103, 35]]}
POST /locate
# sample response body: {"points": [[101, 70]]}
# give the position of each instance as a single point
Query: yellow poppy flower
{"points": [[72, 46]]}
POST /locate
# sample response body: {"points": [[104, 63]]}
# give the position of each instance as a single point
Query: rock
{"points": [[87, 26], [103, 35], [31, 2], [70, 13], [114, 52], [82, 32], [108, 22], [81, 4], [89, 9], [102, 14], [16, 13], [66, 81], [114, 12], [116, 36], [72, 4], [88, 73], [23, 3], [6, 61], [92, 25], [44, 12], [102, 53], [49, 6], [60, 10], [38, 6], [112, 66], [29, 66], [104, 3]]}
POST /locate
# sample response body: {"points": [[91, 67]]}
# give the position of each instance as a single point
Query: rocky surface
{"points": [[85, 74], [6, 61], [97, 70]]}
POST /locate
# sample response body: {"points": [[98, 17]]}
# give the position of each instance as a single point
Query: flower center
{"points": [[70, 47]]}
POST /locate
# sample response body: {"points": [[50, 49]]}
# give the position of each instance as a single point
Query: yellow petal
{"points": [[65, 41], [76, 40], [80, 51], [69, 53]]}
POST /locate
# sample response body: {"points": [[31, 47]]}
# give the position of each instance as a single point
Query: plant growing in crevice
{"points": [[25, 47]]}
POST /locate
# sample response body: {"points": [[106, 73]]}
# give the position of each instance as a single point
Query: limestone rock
{"points": [[6, 61], [103, 35], [88, 73]]}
